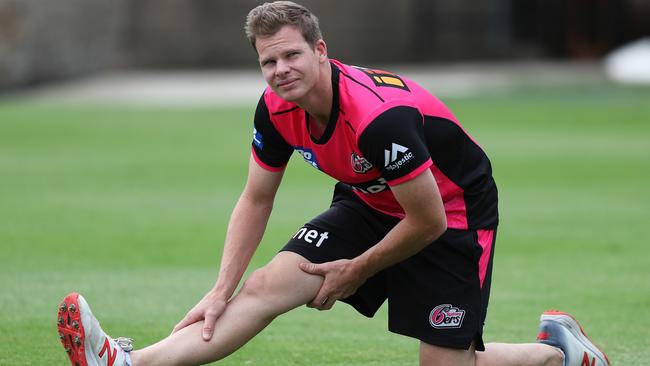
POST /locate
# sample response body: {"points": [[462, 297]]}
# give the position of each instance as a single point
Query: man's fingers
{"points": [[312, 268], [326, 297], [328, 304], [325, 304], [317, 302], [190, 318], [208, 326], [322, 298]]}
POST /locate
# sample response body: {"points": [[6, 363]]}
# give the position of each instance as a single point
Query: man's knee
{"points": [[257, 285], [281, 284]]}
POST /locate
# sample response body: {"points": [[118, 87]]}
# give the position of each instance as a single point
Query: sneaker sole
{"points": [[574, 327], [71, 330]]}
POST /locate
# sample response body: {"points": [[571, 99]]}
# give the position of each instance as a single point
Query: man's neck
{"points": [[318, 103]]}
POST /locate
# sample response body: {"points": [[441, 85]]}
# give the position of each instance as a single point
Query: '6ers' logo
{"points": [[360, 164], [446, 316]]}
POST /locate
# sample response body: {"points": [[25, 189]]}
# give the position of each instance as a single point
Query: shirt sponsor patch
{"points": [[372, 187], [308, 155], [446, 316]]}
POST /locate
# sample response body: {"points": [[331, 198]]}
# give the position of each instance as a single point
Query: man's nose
{"points": [[281, 67]]}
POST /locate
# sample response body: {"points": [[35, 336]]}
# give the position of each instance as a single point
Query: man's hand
{"points": [[342, 279], [209, 309]]}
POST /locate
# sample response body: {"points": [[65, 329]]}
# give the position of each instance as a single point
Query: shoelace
{"points": [[126, 344]]}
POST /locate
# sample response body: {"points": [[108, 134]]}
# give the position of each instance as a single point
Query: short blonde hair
{"points": [[268, 18]]}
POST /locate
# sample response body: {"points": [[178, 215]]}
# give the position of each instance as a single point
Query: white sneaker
{"points": [[561, 330], [84, 340]]}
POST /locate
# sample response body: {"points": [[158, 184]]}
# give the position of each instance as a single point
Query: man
{"points": [[413, 220]]}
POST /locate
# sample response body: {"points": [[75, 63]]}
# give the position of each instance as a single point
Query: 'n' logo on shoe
{"points": [[585, 360], [111, 357]]}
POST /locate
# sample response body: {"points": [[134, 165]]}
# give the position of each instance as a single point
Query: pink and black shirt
{"points": [[383, 130]]}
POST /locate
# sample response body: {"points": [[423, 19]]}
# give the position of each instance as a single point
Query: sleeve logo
{"points": [[396, 156], [384, 78], [257, 139]]}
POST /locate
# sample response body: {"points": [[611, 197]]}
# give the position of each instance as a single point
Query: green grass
{"points": [[129, 206]]}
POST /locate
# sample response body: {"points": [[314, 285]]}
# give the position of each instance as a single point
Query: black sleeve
{"points": [[394, 142], [268, 144]]}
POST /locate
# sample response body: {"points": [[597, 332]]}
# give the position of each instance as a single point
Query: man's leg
{"points": [[523, 354], [431, 355], [270, 291], [495, 354], [344, 230]]}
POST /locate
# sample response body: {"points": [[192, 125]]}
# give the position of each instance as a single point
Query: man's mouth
{"points": [[286, 83]]}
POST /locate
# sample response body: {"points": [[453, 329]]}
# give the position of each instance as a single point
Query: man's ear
{"points": [[321, 49]]}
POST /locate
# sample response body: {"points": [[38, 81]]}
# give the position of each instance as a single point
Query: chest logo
{"points": [[360, 164]]}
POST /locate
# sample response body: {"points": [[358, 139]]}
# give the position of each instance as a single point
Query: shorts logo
{"points": [[310, 236], [446, 316], [360, 164]]}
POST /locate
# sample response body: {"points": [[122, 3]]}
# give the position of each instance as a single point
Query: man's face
{"points": [[289, 65]]}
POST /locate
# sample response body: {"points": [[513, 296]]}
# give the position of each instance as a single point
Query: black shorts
{"points": [[438, 296]]}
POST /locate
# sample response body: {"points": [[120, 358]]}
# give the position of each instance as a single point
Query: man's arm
{"points": [[245, 230], [424, 222], [246, 227]]}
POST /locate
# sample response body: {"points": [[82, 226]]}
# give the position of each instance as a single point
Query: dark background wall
{"points": [[44, 40]]}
